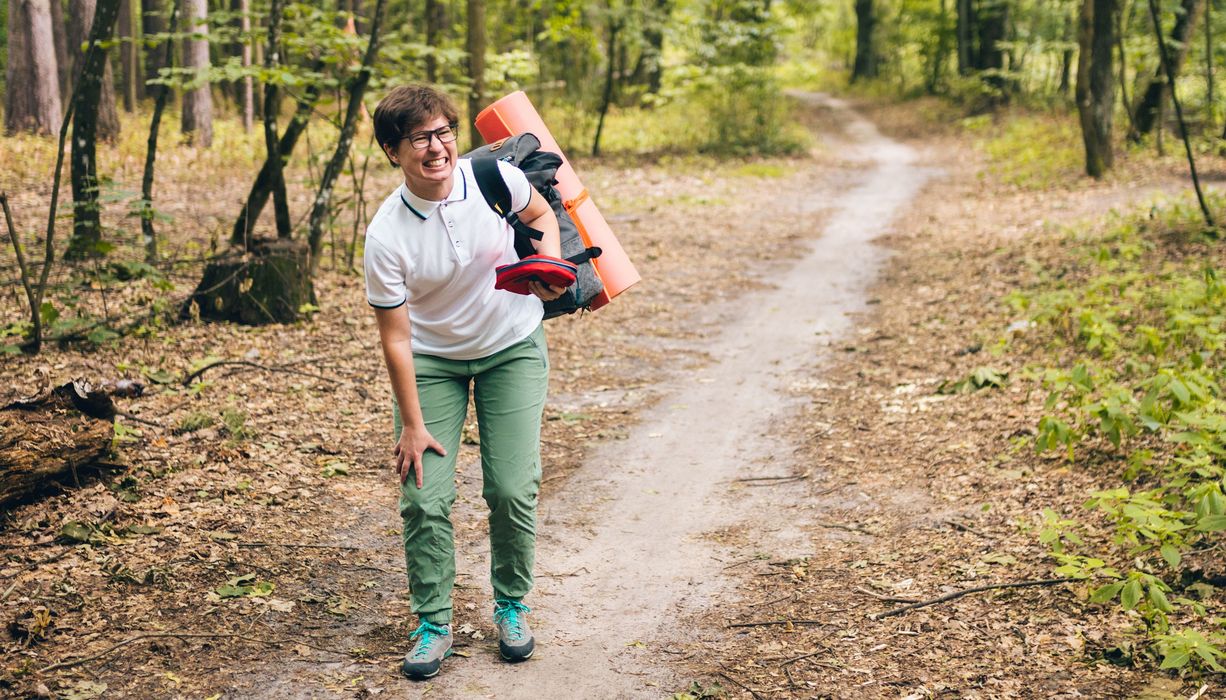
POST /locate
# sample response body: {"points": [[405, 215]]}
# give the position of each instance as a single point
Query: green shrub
{"points": [[1129, 344]]}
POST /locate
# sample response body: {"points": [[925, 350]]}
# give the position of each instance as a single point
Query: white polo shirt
{"points": [[439, 259]]}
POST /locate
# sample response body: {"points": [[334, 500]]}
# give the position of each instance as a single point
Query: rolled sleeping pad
{"points": [[514, 114]]}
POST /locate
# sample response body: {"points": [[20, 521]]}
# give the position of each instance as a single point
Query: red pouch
{"points": [[542, 268]]}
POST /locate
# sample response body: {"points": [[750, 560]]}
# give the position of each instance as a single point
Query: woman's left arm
{"points": [[539, 215]]}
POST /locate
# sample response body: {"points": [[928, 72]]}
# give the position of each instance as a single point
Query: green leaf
{"points": [[332, 469], [101, 335], [1206, 654], [1175, 658], [1171, 554], [1211, 523], [49, 313], [243, 587], [76, 531], [1158, 598], [1107, 593], [1131, 595], [1180, 391]]}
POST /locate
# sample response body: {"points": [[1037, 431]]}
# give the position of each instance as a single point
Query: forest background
{"points": [[274, 95]]}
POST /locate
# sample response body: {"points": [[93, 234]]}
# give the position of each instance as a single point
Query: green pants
{"points": [[509, 392]]}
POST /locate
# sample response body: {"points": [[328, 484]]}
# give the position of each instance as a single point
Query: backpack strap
{"points": [[498, 196], [493, 188], [585, 255]]}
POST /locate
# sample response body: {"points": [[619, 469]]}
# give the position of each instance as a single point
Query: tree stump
{"points": [[270, 284], [50, 436]]}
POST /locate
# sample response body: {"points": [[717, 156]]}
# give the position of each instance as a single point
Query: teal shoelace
{"points": [[426, 634], [509, 611]]}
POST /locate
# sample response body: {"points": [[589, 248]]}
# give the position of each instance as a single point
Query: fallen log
{"points": [[53, 434]]}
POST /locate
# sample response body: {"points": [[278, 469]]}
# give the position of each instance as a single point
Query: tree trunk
{"points": [[271, 99], [607, 97], [1209, 60], [993, 16], [965, 32], [47, 438], [197, 117], [86, 223], [1096, 82], [246, 91], [63, 61], [1121, 29], [129, 57], [32, 91], [648, 69], [1145, 116], [151, 148], [153, 24], [865, 65], [435, 19], [937, 74], [270, 284], [476, 66], [1164, 56], [1066, 59], [262, 188], [357, 89], [257, 95], [82, 18]]}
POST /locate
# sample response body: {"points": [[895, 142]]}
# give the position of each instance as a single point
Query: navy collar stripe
{"points": [[423, 217], [410, 208]]}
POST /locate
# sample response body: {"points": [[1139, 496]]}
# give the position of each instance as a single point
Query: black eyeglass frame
{"points": [[451, 130]]}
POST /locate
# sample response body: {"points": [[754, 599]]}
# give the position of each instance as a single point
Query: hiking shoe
{"points": [[515, 641], [433, 645]]}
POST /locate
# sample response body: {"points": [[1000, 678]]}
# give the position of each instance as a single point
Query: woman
{"points": [[431, 251]]}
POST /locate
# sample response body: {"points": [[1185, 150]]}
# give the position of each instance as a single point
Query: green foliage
{"points": [[744, 112], [1132, 339], [235, 423], [979, 378], [196, 420], [1029, 151], [733, 83], [245, 586]]}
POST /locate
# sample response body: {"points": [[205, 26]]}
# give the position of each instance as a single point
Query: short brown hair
{"points": [[409, 106]]}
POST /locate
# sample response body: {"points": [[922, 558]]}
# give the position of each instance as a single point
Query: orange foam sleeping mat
{"points": [[514, 114]]}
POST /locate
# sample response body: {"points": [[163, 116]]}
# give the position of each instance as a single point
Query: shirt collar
{"points": [[424, 208]]}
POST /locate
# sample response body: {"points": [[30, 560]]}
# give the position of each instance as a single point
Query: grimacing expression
{"points": [[428, 170]]}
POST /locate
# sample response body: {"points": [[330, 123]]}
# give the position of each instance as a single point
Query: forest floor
{"points": [[745, 456]]}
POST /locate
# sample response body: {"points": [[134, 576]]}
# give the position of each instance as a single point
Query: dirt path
{"points": [[628, 538], [751, 351]]}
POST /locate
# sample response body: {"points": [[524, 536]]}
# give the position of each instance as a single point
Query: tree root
{"points": [[958, 594]]}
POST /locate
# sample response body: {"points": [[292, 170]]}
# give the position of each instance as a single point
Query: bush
{"points": [[1129, 345]]}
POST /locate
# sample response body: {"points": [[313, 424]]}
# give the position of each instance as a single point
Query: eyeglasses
{"points": [[421, 139]]}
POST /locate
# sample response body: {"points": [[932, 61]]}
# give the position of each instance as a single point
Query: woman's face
{"points": [[427, 170]]}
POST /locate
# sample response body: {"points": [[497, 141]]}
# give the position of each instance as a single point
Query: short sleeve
{"points": [[517, 183], [385, 276]]}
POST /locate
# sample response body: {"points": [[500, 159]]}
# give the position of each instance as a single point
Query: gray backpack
{"points": [[524, 152]]}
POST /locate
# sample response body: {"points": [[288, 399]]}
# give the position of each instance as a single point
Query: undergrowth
{"points": [[1127, 343], [1029, 151]]}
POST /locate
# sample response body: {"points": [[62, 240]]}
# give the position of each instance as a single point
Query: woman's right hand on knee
{"points": [[409, 451]]}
